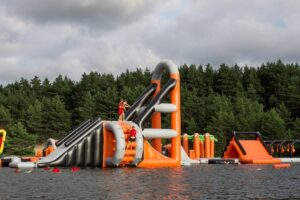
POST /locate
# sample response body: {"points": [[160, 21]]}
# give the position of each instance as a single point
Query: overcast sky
{"points": [[69, 37]]}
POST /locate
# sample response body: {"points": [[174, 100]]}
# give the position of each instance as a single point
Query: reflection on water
{"points": [[195, 182]]}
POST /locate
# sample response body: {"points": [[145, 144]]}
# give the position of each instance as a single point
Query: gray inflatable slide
{"points": [[83, 145]]}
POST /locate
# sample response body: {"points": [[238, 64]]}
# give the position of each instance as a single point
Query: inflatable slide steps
{"points": [[117, 150], [130, 152]]}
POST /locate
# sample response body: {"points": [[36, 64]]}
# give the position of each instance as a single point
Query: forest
{"points": [[215, 100]]}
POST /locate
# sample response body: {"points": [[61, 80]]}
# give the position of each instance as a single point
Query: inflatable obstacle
{"points": [[100, 143], [249, 151], [203, 146], [2, 140]]}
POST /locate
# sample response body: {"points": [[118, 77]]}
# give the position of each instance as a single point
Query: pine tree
{"points": [[248, 114], [88, 108], [36, 85], [107, 104], [56, 119], [19, 141], [296, 129], [273, 126], [4, 115], [34, 118]]}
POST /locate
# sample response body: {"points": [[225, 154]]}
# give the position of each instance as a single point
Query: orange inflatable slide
{"points": [[249, 151]]}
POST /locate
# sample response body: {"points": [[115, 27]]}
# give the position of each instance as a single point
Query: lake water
{"points": [[195, 182]]}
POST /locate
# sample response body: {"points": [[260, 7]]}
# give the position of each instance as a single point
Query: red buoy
{"points": [[75, 169], [55, 170]]}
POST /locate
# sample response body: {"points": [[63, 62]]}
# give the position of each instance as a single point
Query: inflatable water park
{"points": [[105, 144]]}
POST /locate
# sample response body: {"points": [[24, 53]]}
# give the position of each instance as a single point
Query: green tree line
{"points": [[265, 99]]}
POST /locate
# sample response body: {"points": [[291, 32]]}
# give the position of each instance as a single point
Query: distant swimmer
{"points": [[29, 171]]}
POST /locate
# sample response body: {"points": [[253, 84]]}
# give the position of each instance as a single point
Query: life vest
{"points": [[133, 133]]}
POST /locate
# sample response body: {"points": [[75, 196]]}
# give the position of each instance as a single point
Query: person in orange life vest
{"points": [[121, 110], [132, 136]]}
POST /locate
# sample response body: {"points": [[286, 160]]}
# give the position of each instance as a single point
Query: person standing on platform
{"points": [[121, 110]]}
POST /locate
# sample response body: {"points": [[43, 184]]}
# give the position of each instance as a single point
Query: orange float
{"points": [[207, 145], [282, 166], [293, 149], [212, 148], [202, 154], [192, 154], [288, 148], [185, 141], [196, 146], [282, 149]]}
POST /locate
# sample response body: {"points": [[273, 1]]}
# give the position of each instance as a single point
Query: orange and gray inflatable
{"points": [[100, 143], [152, 154], [2, 140]]}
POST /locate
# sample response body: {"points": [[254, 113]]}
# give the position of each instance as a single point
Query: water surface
{"points": [[195, 182]]}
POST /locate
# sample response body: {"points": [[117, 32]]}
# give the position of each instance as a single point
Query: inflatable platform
{"points": [[249, 151]]}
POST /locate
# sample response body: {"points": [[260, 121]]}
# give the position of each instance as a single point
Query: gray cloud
{"points": [[100, 14], [69, 37], [231, 32]]}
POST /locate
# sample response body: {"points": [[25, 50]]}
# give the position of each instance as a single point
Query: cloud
{"points": [[103, 14], [69, 37], [231, 32]]}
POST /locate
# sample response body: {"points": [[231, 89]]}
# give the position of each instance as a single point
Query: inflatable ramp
{"points": [[249, 151], [79, 148]]}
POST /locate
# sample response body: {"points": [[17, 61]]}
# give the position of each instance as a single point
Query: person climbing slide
{"points": [[132, 136]]}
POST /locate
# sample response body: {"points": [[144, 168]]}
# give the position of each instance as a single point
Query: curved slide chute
{"points": [[150, 108], [140, 102]]}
